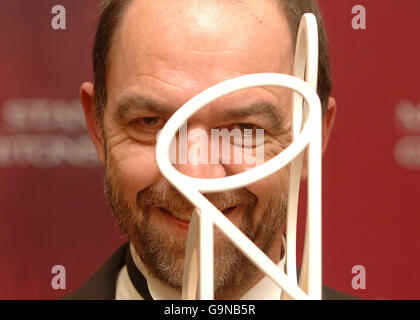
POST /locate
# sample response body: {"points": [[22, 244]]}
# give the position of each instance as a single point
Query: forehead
{"points": [[190, 45]]}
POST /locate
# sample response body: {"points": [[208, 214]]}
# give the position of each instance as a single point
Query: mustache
{"points": [[172, 200]]}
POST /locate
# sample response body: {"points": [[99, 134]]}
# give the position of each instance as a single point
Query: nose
{"points": [[197, 157]]}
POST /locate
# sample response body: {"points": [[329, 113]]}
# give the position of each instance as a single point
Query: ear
{"points": [[328, 119], [86, 98]]}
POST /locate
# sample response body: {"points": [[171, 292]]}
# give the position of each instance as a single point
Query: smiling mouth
{"points": [[186, 217]]}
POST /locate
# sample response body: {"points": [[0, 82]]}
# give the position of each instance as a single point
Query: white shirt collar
{"points": [[265, 289]]}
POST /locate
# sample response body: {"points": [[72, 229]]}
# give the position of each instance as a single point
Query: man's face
{"points": [[164, 53]]}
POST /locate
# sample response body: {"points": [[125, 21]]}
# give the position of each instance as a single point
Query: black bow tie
{"points": [[136, 277]]}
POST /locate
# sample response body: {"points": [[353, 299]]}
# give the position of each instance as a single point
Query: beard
{"points": [[163, 252]]}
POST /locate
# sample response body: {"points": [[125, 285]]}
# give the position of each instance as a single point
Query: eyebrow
{"points": [[129, 106], [262, 108]]}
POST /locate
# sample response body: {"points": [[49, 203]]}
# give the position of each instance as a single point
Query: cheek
{"points": [[267, 188], [276, 183], [270, 187], [133, 169]]}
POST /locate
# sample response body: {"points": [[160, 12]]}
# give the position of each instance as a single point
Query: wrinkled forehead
{"points": [[256, 29], [179, 48]]}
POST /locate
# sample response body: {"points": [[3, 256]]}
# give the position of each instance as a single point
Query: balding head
{"points": [[112, 13]]}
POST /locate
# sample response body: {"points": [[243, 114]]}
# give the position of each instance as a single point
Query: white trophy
{"points": [[307, 137]]}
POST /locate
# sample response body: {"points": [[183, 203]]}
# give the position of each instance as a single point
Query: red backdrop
{"points": [[52, 208]]}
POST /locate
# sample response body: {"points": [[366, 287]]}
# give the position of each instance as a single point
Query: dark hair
{"points": [[294, 10], [112, 11]]}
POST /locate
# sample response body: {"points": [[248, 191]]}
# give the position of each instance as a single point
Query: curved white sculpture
{"points": [[307, 136]]}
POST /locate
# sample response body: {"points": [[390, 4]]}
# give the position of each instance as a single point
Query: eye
{"points": [[252, 135], [149, 123], [247, 129], [246, 126]]}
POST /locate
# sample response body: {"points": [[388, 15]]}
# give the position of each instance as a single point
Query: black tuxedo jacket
{"points": [[102, 285]]}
